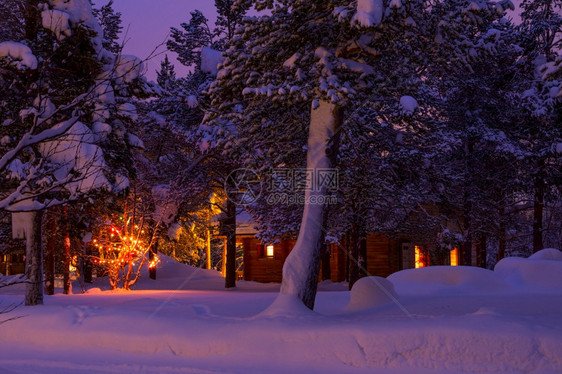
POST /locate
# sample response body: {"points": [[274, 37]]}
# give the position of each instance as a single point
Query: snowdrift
{"points": [[447, 279], [541, 272]]}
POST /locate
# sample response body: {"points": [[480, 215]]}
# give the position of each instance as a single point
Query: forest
{"points": [[428, 113]]}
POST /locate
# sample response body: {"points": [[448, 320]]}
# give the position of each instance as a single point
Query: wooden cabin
{"points": [[263, 262], [12, 263]]}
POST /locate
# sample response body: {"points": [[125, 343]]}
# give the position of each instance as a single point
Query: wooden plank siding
{"points": [[383, 258], [258, 266]]}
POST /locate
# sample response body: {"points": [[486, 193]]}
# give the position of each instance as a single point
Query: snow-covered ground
{"points": [[437, 319]]}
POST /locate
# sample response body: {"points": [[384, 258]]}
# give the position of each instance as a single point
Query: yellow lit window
{"points": [[269, 251], [455, 257], [422, 257]]}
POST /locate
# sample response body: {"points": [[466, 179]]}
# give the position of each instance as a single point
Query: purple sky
{"points": [[149, 22]]}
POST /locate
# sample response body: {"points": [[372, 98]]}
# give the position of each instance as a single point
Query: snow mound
{"points": [[552, 254], [455, 279], [370, 292], [542, 272], [173, 275], [288, 306]]}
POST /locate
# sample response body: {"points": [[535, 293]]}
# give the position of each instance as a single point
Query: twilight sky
{"points": [[149, 22]]}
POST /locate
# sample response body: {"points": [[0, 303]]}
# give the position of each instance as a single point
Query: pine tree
{"points": [[332, 56], [65, 106], [166, 77], [540, 88], [110, 22]]}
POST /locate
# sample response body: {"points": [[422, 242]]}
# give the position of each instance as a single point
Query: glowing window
{"points": [[455, 257], [269, 251], [421, 257]]}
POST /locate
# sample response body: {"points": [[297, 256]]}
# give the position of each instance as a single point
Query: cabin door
{"points": [[408, 256]]}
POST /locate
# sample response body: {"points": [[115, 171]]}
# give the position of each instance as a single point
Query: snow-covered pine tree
{"points": [[110, 22], [540, 89], [166, 76], [64, 111], [327, 56]]}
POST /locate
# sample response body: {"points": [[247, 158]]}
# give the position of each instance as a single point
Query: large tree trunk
{"points": [[51, 244], [538, 209], [230, 231], [34, 260], [301, 268]]}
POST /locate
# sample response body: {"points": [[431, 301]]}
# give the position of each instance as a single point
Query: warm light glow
{"points": [[269, 250], [421, 257], [455, 257]]}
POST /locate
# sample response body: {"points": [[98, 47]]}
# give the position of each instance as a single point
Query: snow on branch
{"points": [[20, 54]]}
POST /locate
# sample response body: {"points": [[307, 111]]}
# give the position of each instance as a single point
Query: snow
{"points": [[192, 101], [447, 279], [371, 292], [291, 61], [185, 322], [129, 68], [58, 22], [369, 13], [76, 151], [166, 210], [79, 12], [101, 129], [408, 104], [121, 183], [174, 231], [128, 110], [395, 4], [19, 52], [542, 271], [210, 60], [551, 254]]}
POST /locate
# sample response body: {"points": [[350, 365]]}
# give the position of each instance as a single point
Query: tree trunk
{"points": [[301, 268], [353, 256], [230, 231], [223, 265], [208, 250], [32, 19], [67, 257], [151, 255], [362, 259], [34, 260], [538, 209], [481, 251], [87, 261], [501, 241], [51, 244]]}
